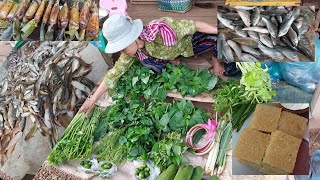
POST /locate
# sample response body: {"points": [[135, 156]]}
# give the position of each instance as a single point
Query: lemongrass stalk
{"points": [[210, 157], [225, 139], [215, 151], [223, 167]]}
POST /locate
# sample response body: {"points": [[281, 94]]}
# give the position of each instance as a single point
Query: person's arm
{"points": [[205, 27], [109, 81]]}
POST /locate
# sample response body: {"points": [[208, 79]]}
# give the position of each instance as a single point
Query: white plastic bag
{"points": [[154, 171]]}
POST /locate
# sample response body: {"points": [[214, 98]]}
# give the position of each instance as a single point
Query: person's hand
{"points": [[218, 70], [87, 106], [175, 61]]}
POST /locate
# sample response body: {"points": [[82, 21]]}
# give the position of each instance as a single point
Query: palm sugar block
{"points": [[292, 124], [265, 118], [281, 154], [251, 147]]}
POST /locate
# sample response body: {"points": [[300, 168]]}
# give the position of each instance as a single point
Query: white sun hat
{"points": [[120, 31]]}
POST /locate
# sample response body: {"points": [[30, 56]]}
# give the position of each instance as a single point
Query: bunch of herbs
{"points": [[77, 140], [169, 151]]}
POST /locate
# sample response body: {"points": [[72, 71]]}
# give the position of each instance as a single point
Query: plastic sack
{"points": [[273, 70], [154, 171], [305, 75], [93, 166]]}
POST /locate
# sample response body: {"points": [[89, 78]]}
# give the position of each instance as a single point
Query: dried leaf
{"points": [[3, 158], [31, 133], [5, 142], [14, 140], [9, 151]]}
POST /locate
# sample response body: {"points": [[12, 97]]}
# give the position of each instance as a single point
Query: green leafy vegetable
{"points": [[257, 82], [140, 81], [138, 141], [181, 117], [186, 81], [169, 151], [76, 142], [110, 149]]}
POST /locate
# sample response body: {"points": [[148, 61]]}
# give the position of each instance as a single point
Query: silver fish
{"points": [[235, 48], [253, 34], [261, 24], [247, 8], [289, 54], [238, 23], [255, 17], [248, 58], [227, 52], [298, 22], [245, 16], [274, 12], [240, 32], [274, 21], [220, 39], [250, 50], [288, 43], [293, 37], [271, 27], [287, 16], [279, 19], [257, 29], [296, 11], [296, 30], [275, 41], [232, 16], [272, 53], [225, 21], [285, 26], [81, 86], [266, 40], [306, 51]]}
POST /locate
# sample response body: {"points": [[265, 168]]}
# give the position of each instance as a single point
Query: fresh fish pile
{"points": [[43, 86], [260, 33]]}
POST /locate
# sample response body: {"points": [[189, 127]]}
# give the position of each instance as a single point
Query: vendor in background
{"points": [[161, 42]]}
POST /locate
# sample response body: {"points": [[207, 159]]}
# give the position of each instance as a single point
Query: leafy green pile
{"points": [[140, 81], [109, 148], [228, 95], [146, 123], [186, 81], [138, 141], [181, 117], [257, 82], [169, 151], [76, 142]]}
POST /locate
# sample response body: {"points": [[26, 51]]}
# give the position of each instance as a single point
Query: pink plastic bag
{"points": [[114, 6]]}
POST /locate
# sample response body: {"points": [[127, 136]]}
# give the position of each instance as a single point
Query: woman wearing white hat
{"points": [[160, 42]]}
